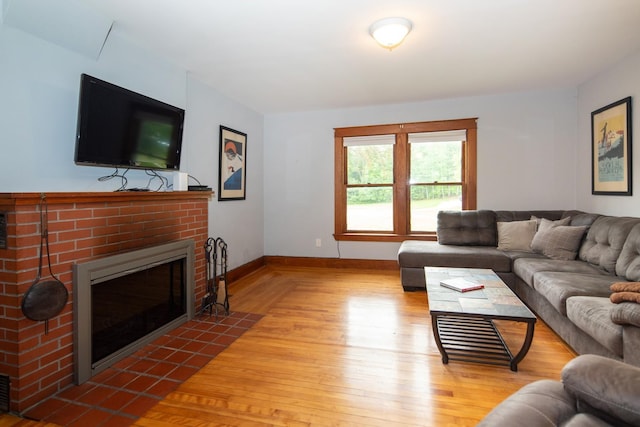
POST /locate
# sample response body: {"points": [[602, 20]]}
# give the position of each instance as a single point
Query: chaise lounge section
{"points": [[560, 263]]}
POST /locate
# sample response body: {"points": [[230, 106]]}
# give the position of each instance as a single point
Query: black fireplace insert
{"points": [[124, 301]]}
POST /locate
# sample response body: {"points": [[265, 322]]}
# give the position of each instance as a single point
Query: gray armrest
{"points": [[606, 385], [541, 403], [626, 313]]}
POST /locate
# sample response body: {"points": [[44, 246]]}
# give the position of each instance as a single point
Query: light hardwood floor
{"points": [[345, 348], [341, 347]]}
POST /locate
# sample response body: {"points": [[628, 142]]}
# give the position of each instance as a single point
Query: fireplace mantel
{"points": [[82, 226], [32, 198]]}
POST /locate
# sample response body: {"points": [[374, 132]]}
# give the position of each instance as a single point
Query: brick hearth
{"points": [[82, 226]]}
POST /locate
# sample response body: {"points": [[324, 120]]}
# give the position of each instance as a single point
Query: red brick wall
{"points": [[82, 226]]}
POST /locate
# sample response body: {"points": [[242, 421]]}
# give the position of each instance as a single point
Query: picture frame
{"points": [[232, 170], [611, 139]]}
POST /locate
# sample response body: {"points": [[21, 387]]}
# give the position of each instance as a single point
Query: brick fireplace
{"points": [[82, 227]]}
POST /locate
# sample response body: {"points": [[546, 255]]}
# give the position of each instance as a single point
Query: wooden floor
{"points": [[344, 348]]}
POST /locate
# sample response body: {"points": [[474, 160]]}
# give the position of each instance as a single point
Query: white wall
{"points": [[526, 160], [613, 85], [238, 222], [39, 85]]}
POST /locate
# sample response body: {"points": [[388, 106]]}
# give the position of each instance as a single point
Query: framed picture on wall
{"points": [[233, 161], [611, 149]]}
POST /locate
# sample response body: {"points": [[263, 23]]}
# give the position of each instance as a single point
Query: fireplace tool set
{"points": [[216, 297]]}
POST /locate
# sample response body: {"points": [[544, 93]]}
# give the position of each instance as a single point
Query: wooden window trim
{"points": [[401, 198]]}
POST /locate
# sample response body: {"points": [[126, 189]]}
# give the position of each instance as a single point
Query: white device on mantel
{"points": [[180, 181]]}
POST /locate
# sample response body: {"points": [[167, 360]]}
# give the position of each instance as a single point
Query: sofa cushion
{"points": [[415, 253], [593, 316], [609, 388], [605, 240], [557, 287], [516, 235], [468, 228], [514, 255], [525, 268], [628, 264]]}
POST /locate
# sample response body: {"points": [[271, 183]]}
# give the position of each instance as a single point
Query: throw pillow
{"points": [[626, 314], [516, 235], [560, 242], [625, 287], [544, 223], [618, 297]]}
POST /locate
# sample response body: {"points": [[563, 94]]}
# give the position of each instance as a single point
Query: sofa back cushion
{"points": [[581, 218], [469, 228], [605, 240], [628, 264], [504, 216]]}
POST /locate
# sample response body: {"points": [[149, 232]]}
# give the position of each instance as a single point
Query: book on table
{"points": [[461, 285]]}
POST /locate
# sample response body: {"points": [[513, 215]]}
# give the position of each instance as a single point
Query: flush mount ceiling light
{"points": [[390, 32]]}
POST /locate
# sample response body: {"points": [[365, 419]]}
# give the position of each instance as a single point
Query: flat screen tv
{"points": [[121, 128]]}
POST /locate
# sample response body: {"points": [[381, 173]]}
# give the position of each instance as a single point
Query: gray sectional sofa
{"points": [[562, 267]]}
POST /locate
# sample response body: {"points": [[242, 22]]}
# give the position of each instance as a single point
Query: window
{"points": [[391, 180], [370, 182], [435, 177]]}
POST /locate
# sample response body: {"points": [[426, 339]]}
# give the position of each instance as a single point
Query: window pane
{"points": [[427, 200], [370, 209], [370, 164], [436, 162]]}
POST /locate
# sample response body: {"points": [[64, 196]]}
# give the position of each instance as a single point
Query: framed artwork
{"points": [[611, 149], [233, 161]]}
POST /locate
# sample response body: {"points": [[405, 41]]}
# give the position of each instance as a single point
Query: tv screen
{"points": [[121, 128]]}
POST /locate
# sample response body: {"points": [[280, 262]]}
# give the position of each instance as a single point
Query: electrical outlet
{"points": [[318, 242]]}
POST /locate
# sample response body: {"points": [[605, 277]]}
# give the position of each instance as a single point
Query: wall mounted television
{"points": [[124, 129]]}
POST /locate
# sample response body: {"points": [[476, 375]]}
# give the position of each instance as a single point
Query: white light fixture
{"points": [[390, 32]]}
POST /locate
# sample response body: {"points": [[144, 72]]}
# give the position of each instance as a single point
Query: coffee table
{"points": [[463, 322]]}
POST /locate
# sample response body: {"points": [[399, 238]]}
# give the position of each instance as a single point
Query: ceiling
{"points": [[296, 55]]}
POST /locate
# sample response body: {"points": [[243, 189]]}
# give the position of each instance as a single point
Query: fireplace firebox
{"points": [[125, 301]]}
